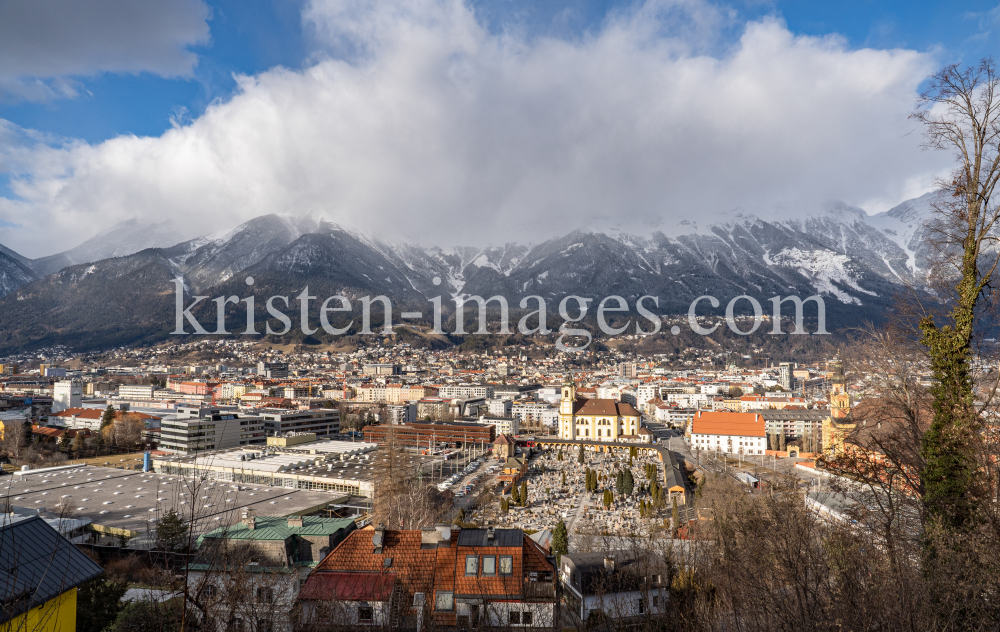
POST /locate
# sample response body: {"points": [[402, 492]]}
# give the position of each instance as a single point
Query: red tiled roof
{"points": [[726, 423], [348, 586], [82, 413], [414, 566]]}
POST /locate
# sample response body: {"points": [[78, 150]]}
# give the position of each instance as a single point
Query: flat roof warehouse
{"points": [[292, 462], [129, 503]]}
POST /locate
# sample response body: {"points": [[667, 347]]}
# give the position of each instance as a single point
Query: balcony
{"points": [[539, 590]]}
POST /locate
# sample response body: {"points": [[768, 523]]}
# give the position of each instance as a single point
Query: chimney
{"points": [[609, 564], [490, 534], [295, 521], [378, 537], [249, 520], [430, 535]]}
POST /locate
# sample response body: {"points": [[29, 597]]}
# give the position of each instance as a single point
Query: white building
{"points": [[466, 391], [621, 585], [136, 391], [499, 407], [216, 431], [67, 394], [399, 414], [504, 425], [646, 392], [731, 433]]}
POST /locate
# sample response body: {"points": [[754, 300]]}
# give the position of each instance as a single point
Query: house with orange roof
{"points": [[729, 432], [442, 576]]}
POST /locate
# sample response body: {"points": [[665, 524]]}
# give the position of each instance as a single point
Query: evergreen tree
{"points": [[524, 493], [564, 479], [560, 540], [108, 417], [65, 443], [514, 496], [78, 443], [620, 482], [579, 457], [172, 532], [608, 498], [629, 482], [98, 603]]}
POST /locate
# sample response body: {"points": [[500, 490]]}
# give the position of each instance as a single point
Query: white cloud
{"points": [[45, 42], [422, 125]]}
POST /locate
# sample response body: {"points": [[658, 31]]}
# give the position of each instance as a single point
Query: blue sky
{"points": [[408, 118], [248, 37]]}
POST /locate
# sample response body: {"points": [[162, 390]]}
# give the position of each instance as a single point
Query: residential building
{"points": [[732, 433], [646, 392], [504, 425], [794, 423], [40, 595], [67, 394], [621, 585], [499, 407], [273, 370], [292, 542], [785, 375], [444, 576], [628, 370], [466, 391], [399, 414]]}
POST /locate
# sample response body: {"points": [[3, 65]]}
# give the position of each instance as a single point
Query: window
{"points": [[236, 625], [210, 591], [515, 618], [265, 595], [471, 564], [444, 601], [365, 613], [656, 601], [264, 625], [489, 565], [506, 565], [525, 618]]}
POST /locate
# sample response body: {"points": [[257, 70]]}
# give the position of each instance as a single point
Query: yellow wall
{"points": [[55, 615]]}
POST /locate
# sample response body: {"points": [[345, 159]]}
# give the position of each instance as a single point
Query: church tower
{"points": [[567, 425], [840, 399], [838, 425]]}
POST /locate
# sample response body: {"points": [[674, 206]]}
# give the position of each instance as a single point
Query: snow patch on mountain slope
{"points": [[823, 268]]}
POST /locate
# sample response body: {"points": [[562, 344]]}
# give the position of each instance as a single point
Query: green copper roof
{"points": [[276, 529]]}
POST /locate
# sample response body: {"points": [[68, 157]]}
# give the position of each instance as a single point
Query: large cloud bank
{"points": [[416, 122]]}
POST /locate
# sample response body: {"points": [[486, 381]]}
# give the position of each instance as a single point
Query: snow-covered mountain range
{"points": [[857, 260]]}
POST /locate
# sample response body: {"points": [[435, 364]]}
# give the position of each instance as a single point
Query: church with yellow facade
{"points": [[595, 419]]}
